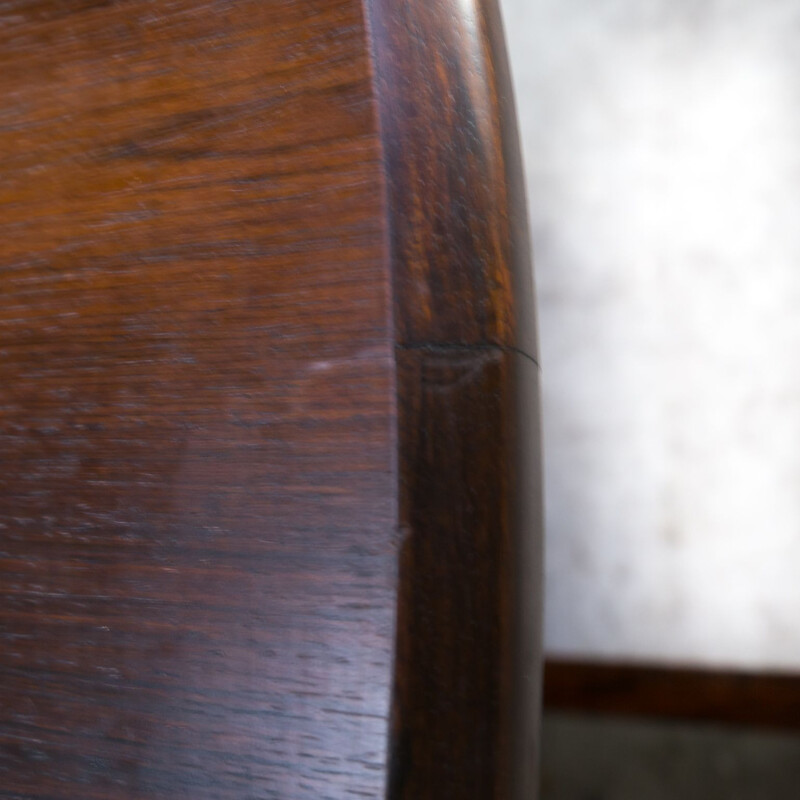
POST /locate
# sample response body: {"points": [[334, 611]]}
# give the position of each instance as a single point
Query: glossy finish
{"points": [[197, 497], [458, 222], [268, 511], [466, 706]]}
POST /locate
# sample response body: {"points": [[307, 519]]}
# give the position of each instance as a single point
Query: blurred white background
{"points": [[662, 149]]}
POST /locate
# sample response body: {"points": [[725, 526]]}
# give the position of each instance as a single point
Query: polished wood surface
{"points": [[268, 504], [197, 494], [455, 182], [466, 705]]}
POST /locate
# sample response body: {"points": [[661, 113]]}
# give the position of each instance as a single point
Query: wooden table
{"points": [[269, 498]]}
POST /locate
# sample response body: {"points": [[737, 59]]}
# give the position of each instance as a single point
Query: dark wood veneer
{"points": [[457, 214], [269, 521], [730, 697], [466, 700]]}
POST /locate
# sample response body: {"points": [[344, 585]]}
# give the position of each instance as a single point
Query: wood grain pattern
{"points": [[458, 219], [466, 701], [268, 510], [197, 497]]}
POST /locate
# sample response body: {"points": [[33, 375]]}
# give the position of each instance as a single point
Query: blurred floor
{"points": [[598, 758]]}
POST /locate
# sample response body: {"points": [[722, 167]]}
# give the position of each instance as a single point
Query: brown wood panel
{"points": [[466, 704], [466, 701], [197, 495], [269, 512], [670, 692], [458, 219]]}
